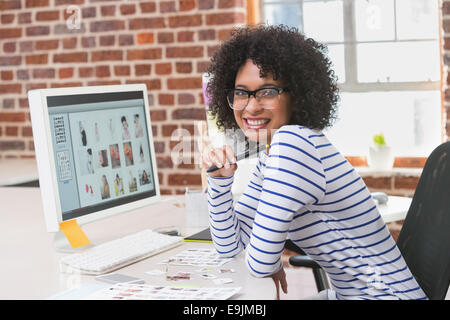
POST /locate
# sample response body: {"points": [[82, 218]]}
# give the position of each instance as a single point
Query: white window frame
{"points": [[351, 83]]}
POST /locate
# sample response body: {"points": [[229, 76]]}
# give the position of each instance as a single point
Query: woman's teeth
{"points": [[256, 122]]}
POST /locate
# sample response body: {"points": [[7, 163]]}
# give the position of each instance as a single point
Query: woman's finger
{"points": [[230, 154], [206, 159], [282, 278], [277, 286], [284, 285], [215, 158]]}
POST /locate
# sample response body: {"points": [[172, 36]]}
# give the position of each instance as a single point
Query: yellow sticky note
{"points": [[77, 238]]}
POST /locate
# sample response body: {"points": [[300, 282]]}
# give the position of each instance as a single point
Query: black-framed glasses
{"points": [[267, 98]]}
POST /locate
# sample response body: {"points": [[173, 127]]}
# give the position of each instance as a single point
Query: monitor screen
{"points": [[101, 150]]}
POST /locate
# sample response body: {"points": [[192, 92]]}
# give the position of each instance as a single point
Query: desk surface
{"points": [[17, 171], [29, 267], [395, 209]]}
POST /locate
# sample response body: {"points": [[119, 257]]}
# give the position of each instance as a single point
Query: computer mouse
{"points": [[380, 197]]}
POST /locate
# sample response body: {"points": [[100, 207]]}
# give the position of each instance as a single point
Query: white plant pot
{"points": [[380, 158]]}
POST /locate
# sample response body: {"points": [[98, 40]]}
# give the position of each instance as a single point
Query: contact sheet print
{"points": [[197, 257], [130, 291]]}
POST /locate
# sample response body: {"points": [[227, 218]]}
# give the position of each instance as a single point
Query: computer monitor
{"points": [[94, 151]]}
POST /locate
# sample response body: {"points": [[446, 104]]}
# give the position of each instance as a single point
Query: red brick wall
{"points": [[165, 44], [393, 184]]}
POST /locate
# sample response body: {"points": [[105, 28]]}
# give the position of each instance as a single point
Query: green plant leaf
{"points": [[379, 140]]}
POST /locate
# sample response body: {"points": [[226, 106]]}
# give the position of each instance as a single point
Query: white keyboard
{"points": [[120, 252]]}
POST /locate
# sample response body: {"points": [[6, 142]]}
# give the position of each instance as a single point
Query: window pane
{"points": [[417, 19], [398, 62], [287, 14], [336, 55], [374, 20], [409, 120], [323, 20]]}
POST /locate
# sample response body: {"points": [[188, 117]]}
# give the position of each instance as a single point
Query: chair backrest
{"points": [[425, 236]]}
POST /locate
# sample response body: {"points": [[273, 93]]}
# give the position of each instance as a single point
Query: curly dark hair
{"points": [[298, 61]]}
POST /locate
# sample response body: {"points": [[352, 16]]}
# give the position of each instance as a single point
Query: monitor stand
{"points": [[62, 244]]}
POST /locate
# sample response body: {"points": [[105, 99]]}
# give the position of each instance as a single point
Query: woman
{"points": [[118, 185], [139, 131], [276, 86], [83, 134], [125, 130], [144, 178], [105, 188]]}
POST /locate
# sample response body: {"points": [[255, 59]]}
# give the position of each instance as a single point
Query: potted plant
{"points": [[380, 154]]}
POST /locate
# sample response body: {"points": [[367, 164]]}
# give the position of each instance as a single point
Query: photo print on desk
{"points": [[179, 276], [197, 257], [129, 291]]}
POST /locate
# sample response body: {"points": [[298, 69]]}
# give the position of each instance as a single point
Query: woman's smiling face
{"points": [[258, 123]]}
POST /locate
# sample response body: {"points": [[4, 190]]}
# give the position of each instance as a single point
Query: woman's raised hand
{"points": [[223, 158]]}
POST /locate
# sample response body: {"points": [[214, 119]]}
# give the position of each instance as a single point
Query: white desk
{"points": [[395, 209], [29, 266], [17, 171]]}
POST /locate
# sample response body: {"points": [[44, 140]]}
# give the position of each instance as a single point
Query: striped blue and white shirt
{"points": [[305, 190]]}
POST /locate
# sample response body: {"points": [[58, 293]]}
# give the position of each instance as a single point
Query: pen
{"points": [[241, 156]]}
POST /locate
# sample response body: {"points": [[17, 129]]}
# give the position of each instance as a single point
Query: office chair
{"points": [[302, 260], [424, 240]]}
